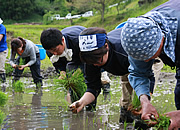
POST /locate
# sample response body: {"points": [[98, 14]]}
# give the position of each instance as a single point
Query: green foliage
{"points": [[47, 18], [16, 9], [3, 98], [163, 122], [18, 86], [2, 116], [75, 81]]}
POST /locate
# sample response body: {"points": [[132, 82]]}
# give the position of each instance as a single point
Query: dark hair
{"points": [[50, 38], [16, 43], [93, 57]]}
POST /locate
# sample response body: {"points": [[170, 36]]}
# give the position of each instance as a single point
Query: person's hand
{"points": [[175, 120], [62, 75], [149, 113], [14, 65], [21, 67], [76, 106]]}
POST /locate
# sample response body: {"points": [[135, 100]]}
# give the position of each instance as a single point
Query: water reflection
{"points": [[43, 110]]}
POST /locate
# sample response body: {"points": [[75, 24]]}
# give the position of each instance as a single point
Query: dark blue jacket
{"points": [[71, 35]]}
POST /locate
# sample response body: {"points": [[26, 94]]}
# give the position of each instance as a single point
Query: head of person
{"points": [[142, 38], [1, 21], [18, 44], [93, 45], [52, 40]]}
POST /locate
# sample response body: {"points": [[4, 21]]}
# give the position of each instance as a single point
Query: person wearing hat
{"points": [[155, 34], [100, 50], [63, 50], [3, 51]]}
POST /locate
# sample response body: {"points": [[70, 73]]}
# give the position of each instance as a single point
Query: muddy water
{"points": [[42, 109]]}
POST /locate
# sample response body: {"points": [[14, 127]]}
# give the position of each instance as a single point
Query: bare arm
{"points": [[175, 120], [1, 36], [148, 110], [86, 99]]}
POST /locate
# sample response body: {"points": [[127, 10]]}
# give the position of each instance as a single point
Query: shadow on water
{"points": [[42, 110]]}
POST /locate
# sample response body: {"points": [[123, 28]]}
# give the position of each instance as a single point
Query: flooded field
{"points": [[48, 110]]}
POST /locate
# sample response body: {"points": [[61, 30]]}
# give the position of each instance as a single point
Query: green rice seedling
{"points": [[136, 102], [135, 106], [18, 86], [2, 116], [9, 69], [3, 98], [163, 122], [75, 81], [125, 125]]}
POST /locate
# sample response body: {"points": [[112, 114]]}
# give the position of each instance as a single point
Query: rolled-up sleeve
{"points": [[140, 71]]}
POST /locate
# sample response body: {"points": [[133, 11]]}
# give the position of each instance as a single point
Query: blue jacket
{"points": [[140, 70], [3, 43]]}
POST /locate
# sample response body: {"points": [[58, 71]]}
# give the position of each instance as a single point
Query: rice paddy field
{"points": [[47, 109]]}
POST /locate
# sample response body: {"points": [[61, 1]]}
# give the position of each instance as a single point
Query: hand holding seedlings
{"points": [[147, 111], [75, 106], [14, 65]]}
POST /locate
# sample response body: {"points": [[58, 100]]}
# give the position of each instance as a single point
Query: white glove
{"points": [[104, 78]]}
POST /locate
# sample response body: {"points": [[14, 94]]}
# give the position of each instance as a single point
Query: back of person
{"points": [[117, 63], [71, 35]]}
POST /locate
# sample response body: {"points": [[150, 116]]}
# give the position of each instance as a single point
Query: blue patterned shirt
{"points": [[141, 70]]}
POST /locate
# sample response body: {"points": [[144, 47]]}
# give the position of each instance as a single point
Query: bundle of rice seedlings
{"points": [[74, 81], [18, 86], [163, 122]]}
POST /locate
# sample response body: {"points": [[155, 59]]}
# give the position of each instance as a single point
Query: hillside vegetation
{"points": [[112, 19]]}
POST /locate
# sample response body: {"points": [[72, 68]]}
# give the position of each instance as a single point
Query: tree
{"points": [[100, 5], [16, 9], [83, 5], [118, 4]]}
